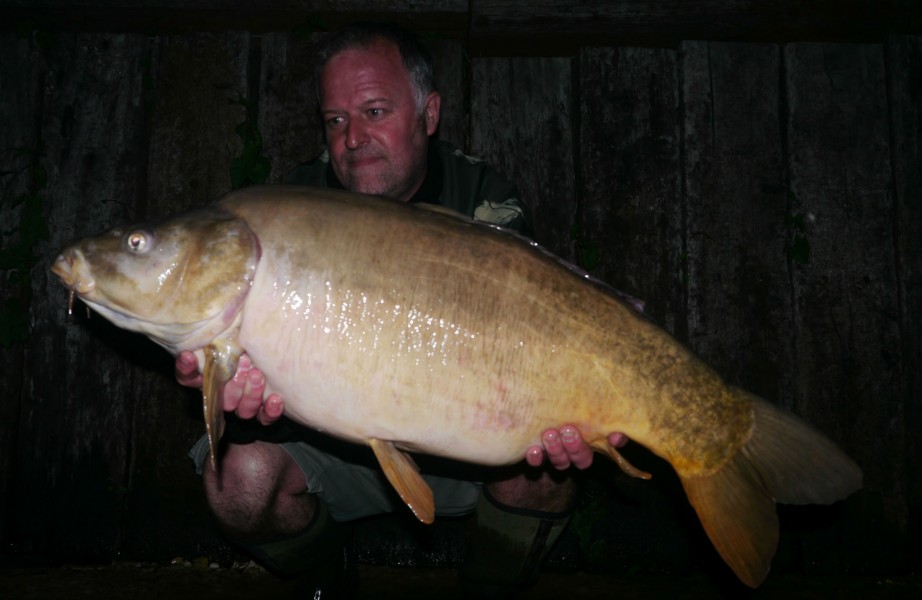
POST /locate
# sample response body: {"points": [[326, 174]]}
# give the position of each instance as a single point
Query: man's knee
{"points": [[249, 484], [542, 491]]}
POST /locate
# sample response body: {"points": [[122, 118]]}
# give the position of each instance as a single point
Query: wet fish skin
{"points": [[411, 330]]}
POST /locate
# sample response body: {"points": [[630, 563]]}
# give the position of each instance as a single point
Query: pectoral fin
{"points": [[220, 365], [404, 475]]}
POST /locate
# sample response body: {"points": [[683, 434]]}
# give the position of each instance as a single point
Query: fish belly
{"points": [[354, 365], [418, 334]]}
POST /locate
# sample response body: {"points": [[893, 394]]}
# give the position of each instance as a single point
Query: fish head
{"points": [[180, 281]]}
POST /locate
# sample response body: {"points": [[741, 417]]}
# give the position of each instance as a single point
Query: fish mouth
{"points": [[73, 278]]}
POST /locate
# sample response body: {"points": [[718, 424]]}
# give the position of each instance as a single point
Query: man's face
{"points": [[376, 137]]}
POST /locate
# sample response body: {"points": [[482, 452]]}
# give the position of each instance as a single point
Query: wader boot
{"points": [[320, 558], [505, 546]]}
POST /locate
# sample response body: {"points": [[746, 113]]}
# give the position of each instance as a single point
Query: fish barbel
{"points": [[411, 330]]}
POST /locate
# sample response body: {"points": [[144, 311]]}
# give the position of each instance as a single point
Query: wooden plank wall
{"points": [[763, 199]]}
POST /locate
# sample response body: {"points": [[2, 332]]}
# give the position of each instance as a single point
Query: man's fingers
{"points": [[251, 396], [618, 439], [534, 456], [187, 370], [233, 391], [243, 394], [578, 452], [271, 410], [565, 447], [556, 452]]}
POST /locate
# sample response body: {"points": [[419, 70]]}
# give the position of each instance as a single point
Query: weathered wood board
{"points": [[904, 61], [630, 215], [520, 123]]}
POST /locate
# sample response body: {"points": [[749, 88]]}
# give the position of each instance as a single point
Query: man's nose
{"points": [[356, 134]]}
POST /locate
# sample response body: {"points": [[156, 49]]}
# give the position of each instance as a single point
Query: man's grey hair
{"points": [[416, 59]]}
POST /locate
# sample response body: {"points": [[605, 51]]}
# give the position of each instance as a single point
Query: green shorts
{"points": [[346, 477]]}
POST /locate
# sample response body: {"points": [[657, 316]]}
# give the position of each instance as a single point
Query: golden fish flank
{"points": [[402, 327]]}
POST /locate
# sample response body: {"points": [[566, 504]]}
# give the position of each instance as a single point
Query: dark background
{"points": [[750, 169]]}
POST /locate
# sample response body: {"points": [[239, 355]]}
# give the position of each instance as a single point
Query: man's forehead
{"points": [[365, 74]]}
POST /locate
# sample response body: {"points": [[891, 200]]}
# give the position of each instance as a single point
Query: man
{"points": [[285, 502]]}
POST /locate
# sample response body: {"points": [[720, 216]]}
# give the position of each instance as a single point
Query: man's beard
{"points": [[385, 181], [382, 182]]}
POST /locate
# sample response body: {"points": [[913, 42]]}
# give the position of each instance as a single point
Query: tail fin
{"points": [[785, 460]]}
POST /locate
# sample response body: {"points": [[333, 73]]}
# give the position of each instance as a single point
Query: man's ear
{"points": [[432, 112]]}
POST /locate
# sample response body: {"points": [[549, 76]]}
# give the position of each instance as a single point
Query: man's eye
{"points": [[334, 121], [375, 112]]}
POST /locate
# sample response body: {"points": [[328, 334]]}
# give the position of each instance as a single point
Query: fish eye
{"points": [[138, 242]]}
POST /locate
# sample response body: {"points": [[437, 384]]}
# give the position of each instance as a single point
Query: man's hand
{"points": [[187, 370], [243, 394], [565, 447]]}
